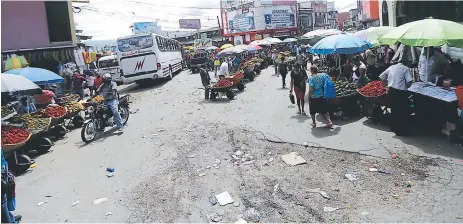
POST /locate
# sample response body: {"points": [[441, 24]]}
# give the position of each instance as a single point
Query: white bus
{"points": [[148, 56]]}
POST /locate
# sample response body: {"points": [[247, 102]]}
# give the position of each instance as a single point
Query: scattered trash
{"points": [[394, 156], [144, 136], [270, 160], [275, 188], [99, 200], [235, 157], [395, 196], [41, 203], [161, 130], [224, 198], [365, 213], [109, 169], [202, 174], [408, 184], [402, 174], [373, 170], [108, 214], [269, 153], [241, 221], [109, 174], [155, 134], [239, 153], [236, 204], [293, 159], [208, 167], [33, 165], [306, 144], [352, 176], [191, 156], [459, 217], [212, 200], [385, 171], [330, 209], [48, 196], [217, 161], [217, 167], [216, 217], [196, 93], [75, 203], [317, 190], [214, 165], [291, 106], [374, 166], [251, 215], [134, 111], [249, 162]]}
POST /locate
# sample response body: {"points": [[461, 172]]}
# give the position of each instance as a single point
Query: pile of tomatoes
{"points": [[223, 83], [239, 75], [373, 89], [54, 111], [14, 135]]}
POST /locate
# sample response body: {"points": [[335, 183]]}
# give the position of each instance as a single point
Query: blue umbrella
{"points": [[37, 75], [340, 44]]}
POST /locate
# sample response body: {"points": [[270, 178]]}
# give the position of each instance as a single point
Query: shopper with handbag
{"points": [[298, 83], [317, 101]]}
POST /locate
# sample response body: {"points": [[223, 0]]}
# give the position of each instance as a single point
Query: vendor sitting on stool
{"points": [[25, 107]]}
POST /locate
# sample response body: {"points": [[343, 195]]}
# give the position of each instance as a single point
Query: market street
{"points": [[175, 134]]}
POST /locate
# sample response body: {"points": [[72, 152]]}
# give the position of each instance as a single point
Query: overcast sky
{"points": [[110, 19]]}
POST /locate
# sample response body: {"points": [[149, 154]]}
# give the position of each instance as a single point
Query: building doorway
{"points": [[385, 14]]}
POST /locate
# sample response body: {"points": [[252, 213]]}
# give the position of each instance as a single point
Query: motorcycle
{"points": [[99, 116]]}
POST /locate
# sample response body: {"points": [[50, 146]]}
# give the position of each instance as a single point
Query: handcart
{"points": [[345, 105], [211, 92], [376, 108], [249, 73], [237, 80], [20, 161], [39, 140]]}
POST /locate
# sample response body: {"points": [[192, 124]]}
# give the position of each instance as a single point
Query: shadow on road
{"points": [[100, 137], [300, 118], [322, 132], [148, 85]]}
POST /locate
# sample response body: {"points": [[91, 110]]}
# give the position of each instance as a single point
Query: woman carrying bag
{"points": [[298, 82], [320, 89]]}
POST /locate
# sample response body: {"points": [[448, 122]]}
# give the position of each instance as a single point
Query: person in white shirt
{"points": [[275, 63], [399, 79], [224, 69], [425, 65], [91, 84]]}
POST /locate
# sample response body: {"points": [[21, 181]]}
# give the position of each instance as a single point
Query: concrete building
{"points": [[368, 13], [331, 16], [353, 22], [340, 18], [42, 31]]}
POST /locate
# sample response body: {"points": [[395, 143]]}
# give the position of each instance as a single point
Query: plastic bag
{"points": [[329, 92], [291, 98]]}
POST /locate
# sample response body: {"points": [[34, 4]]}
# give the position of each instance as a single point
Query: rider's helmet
{"points": [[107, 77]]}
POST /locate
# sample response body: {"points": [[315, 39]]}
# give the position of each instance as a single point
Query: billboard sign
{"points": [[190, 24], [145, 27], [277, 17], [241, 22], [202, 44], [319, 7]]}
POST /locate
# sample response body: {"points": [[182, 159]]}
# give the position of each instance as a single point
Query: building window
{"points": [[59, 25]]}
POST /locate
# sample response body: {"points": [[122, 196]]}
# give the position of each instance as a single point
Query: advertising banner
{"points": [[237, 40], [190, 24], [277, 17], [241, 22], [202, 44], [145, 27]]}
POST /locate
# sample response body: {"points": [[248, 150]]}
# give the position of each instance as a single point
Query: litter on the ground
{"points": [[133, 111], [291, 106], [395, 196], [108, 214], [224, 198], [202, 174], [208, 167], [394, 156], [324, 194], [385, 171], [373, 170], [217, 167], [109, 169], [109, 174], [408, 184], [236, 204], [402, 174], [251, 215], [241, 221], [275, 188], [269, 153], [41, 203], [161, 130], [212, 200], [75, 203], [249, 162], [317, 190], [191, 156], [330, 209], [214, 165], [217, 161], [306, 144], [365, 213], [216, 217], [239, 153], [353, 176], [293, 159], [33, 165], [270, 160], [99, 200]]}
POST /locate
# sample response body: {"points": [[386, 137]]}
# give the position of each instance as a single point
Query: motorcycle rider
{"points": [[109, 91]]}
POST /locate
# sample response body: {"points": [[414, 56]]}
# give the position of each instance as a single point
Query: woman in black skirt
{"points": [[317, 102]]}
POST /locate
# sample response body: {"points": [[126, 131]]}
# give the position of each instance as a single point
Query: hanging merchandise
{"points": [[69, 68], [93, 56], [12, 63], [79, 58], [23, 61], [87, 57]]}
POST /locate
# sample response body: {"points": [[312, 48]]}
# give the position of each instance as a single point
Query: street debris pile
{"points": [[263, 181]]}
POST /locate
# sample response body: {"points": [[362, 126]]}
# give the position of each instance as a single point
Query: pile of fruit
{"points": [[6, 111], [70, 97], [30, 122], [248, 64], [257, 60], [98, 99], [373, 89], [222, 83], [74, 106], [14, 135], [344, 88], [54, 111], [239, 75], [290, 59]]}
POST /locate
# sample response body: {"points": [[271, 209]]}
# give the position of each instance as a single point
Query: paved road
{"points": [[154, 179]]}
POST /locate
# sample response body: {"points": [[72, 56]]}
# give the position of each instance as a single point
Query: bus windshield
{"points": [[135, 43], [108, 63]]}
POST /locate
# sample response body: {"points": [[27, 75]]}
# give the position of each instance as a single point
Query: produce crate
{"points": [[57, 120], [38, 131], [382, 100], [235, 78], [11, 147]]}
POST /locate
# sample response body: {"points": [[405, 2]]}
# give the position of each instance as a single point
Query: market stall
{"points": [[435, 102]]}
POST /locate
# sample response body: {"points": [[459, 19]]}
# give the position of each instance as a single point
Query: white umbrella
{"points": [[273, 40], [211, 48], [322, 33], [260, 42], [16, 84]]}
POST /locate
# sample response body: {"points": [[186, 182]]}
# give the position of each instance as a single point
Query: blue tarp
{"points": [[37, 75]]}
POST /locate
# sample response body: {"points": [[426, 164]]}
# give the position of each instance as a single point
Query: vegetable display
{"points": [[30, 122], [373, 89], [222, 83], [74, 106], [6, 111], [54, 111], [344, 88], [14, 135], [239, 75], [98, 98], [70, 97]]}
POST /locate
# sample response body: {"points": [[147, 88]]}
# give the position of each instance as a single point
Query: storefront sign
{"points": [[242, 22], [237, 40], [145, 27], [190, 24], [280, 17], [319, 7], [320, 19]]}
